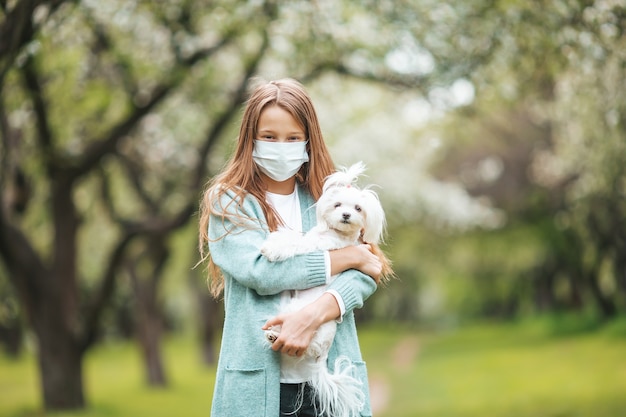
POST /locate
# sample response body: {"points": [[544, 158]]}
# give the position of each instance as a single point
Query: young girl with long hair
{"points": [[273, 179]]}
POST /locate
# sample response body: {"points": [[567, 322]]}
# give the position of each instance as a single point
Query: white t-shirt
{"points": [[295, 370]]}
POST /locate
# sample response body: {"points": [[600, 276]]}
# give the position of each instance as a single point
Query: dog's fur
{"points": [[346, 215]]}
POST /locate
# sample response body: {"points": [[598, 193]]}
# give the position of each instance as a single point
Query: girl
{"points": [[273, 179]]}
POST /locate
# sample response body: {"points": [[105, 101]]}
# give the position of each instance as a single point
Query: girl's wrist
{"points": [[325, 309], [343, 259]]}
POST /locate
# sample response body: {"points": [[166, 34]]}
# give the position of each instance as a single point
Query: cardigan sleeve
{"points": [[235, 240], [354, 287]]}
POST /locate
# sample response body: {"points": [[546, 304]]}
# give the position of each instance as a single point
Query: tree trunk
{"points": [[575, 299], [209, 316], [11, 338], [605, 304], [11, 331], [145, 284], [60, 363], [211, 321], [44, 299], [149, 332], [543, 283], [619, 269], [58, 352]]}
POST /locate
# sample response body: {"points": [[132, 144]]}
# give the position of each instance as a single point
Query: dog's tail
{"points": [[345, 177], [338, 394]]}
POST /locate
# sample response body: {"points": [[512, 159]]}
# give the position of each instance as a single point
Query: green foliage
{"points": [[461, 276], [546, 111], [546, 108]]}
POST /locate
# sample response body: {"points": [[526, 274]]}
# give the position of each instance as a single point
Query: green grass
{"points": [[520, 371], [115, 384], [523, 370]]}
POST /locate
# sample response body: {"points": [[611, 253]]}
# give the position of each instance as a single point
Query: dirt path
{"points": [[405, 353], [379, 393], [402, 356]]}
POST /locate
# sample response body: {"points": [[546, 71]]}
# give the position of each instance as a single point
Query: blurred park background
{"points": [[495, 130]]}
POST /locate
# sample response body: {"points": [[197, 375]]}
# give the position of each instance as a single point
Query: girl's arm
{"points": [[358, 257], [298, 328], [354, 287], [234, 244]]}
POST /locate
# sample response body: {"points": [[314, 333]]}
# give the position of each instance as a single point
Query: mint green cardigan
{"points": [[248, 371]]}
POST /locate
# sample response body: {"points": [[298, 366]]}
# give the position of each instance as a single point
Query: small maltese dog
{"points": [[346, 215]]}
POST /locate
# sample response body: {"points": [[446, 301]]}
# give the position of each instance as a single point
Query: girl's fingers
{"points": [[274, 321]]}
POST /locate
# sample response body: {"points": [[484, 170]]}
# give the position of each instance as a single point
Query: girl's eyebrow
{"points": [[298, 132]]}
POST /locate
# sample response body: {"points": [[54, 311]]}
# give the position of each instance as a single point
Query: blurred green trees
{"points": [[110, 116], [501, 160], [545, 141]]}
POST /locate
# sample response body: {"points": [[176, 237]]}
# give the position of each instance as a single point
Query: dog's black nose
{"points": [[346, 216]]}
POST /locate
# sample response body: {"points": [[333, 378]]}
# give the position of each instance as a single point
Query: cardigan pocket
{"points": [[249, 387]]}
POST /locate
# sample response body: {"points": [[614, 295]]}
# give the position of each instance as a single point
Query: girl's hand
{"points": [[358, 257], [299, 327]]}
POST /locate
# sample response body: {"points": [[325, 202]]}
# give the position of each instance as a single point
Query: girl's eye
{"points": [[357, 208], [267, 137], [337, 205], [294, 139]]}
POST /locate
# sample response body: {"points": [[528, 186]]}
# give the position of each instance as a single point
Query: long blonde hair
{"points": [[241, 175]]}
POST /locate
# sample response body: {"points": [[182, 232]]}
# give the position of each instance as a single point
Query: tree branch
{"points": [[236, 100], [107, 200], [134, 175], [104, 43], [6, 146], [44, 133], [18, 29], [22, 262], [103, 146], [92, 324], [154, 225]]}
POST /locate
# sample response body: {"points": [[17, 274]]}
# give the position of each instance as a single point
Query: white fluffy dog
{"points": [[346, 215]]}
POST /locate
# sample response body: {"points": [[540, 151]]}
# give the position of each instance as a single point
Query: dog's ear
{"points": [[321, 206], [374, 218]]}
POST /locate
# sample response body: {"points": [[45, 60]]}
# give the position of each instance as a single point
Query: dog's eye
{"points": [[357, 208], [337, 205]]}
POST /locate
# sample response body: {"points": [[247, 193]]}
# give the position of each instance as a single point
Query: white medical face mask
{"points": [[279, 160]]}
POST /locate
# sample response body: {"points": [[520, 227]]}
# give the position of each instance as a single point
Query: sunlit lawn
{"points": [[498, 371], [487, 370]]}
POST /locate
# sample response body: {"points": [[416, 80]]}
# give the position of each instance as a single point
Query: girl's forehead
{"points": [[273, 117]]}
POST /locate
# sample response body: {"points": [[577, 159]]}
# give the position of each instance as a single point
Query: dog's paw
{"points": [[322, 341], [318, 349], [280, 245], [272, 333], [315, 351], [272, 252]]}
